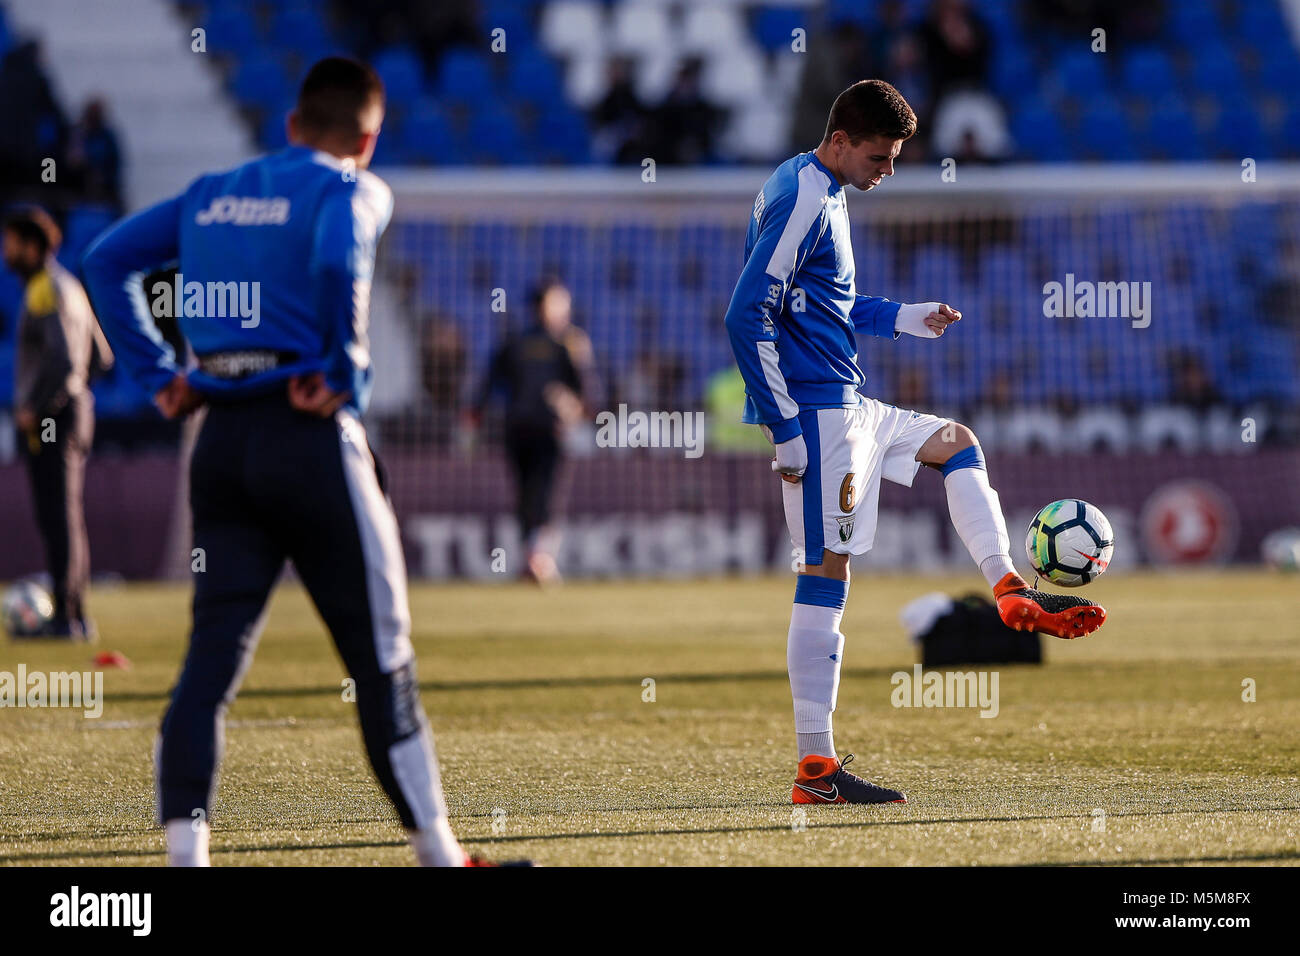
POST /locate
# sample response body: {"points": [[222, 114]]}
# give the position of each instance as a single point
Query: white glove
{"points": [[911, 319], [791, 457]]}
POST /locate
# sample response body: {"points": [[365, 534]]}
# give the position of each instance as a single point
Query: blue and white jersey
{"points": [[795, 311], [275, 256]]}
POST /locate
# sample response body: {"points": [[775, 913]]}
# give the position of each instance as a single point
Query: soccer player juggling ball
{"points": [[792, 322], [282, 468]]}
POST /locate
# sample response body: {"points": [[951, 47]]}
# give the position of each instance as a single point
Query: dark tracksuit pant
{"points": [[57, 470], [269, 483], [535, 455]]}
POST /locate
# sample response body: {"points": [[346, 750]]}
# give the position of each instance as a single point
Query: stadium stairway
{"points": [[168, 131]]}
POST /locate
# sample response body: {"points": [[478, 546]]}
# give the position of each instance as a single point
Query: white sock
{"points": [[977, 515], [814, 651], [436, 845], [187, 842], [822, 745]]}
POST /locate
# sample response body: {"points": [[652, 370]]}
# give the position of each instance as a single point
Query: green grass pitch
{"points": [[550, 751]]}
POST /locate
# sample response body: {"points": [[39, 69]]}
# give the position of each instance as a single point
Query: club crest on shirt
{"points": [[846, 527]]}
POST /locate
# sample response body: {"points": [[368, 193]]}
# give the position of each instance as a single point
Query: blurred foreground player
{"points": [[282, 467], [792, 322], [59, 347], [543, 374]]}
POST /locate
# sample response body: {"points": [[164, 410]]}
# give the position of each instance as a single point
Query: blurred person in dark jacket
{"points": [[59, 346], [544, 376], [95, 158]]}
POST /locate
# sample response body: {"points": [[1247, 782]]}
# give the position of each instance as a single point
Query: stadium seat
{"points": [[641, 27], [231, 32], [427, 137], [562, 137], [464, 76], [1148, 73], [299, 27], [260, 81], [573, 27], [1170, 132], [735, 75], [495, 136], [711, 28], [401, 72], [774, 26], [1104, 134], [1082, 73], [1038, 133], [1238, 132], [533, 78]]}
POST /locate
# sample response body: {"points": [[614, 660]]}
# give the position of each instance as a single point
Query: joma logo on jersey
{"points": [[245, 211]]}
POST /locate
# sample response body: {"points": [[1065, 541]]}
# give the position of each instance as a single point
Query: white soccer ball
{"points": [[1070, 543], [1281, 549], [26, 609]]}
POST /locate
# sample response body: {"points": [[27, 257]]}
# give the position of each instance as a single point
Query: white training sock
{"points": [[187, 842], [976, 513], [814, 650], [436, 845]]}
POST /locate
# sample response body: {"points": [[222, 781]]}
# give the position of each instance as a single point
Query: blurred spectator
{"points": [[93, 157], [443, 362], [432, 28], [841, 58], [34, 127], [619, 119], [968, 122], [685, 123], [1192, 385], [544, 375]]}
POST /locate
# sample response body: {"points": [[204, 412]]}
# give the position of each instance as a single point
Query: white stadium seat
{"points": [[573, 28], [735, 75], [642, 28], [709, 27]]}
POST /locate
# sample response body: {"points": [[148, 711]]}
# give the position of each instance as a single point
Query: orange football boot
{"points": [[824, 780], [1025, 609]]}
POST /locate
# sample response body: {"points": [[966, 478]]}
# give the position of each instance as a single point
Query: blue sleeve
{"points": [[114, 268], [874, 315], [348, 228], [781, 247]]}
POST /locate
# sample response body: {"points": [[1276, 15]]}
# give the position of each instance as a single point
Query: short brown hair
{"points": [[871, 109], [336, 91], [34, 224]]}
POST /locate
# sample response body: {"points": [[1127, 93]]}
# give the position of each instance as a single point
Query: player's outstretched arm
{"points": [[114, 267]]}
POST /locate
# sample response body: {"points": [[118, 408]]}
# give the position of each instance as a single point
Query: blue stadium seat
{"points": [[1082, 73], [1104, 134], [1038, 133], [495, 136], [231, 32], [533, 78], [1238, 132], [464, 76], [299, 28], [1171, 132], [773, 26], [260, 81], [1148, 72], [427, 137], [83, 224], [1191, 21], [562, 137], [402, 74]]}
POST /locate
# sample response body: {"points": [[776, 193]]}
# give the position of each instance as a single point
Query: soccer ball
{"points": [[1070, 542], [26, 609], [1281, 549]]}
